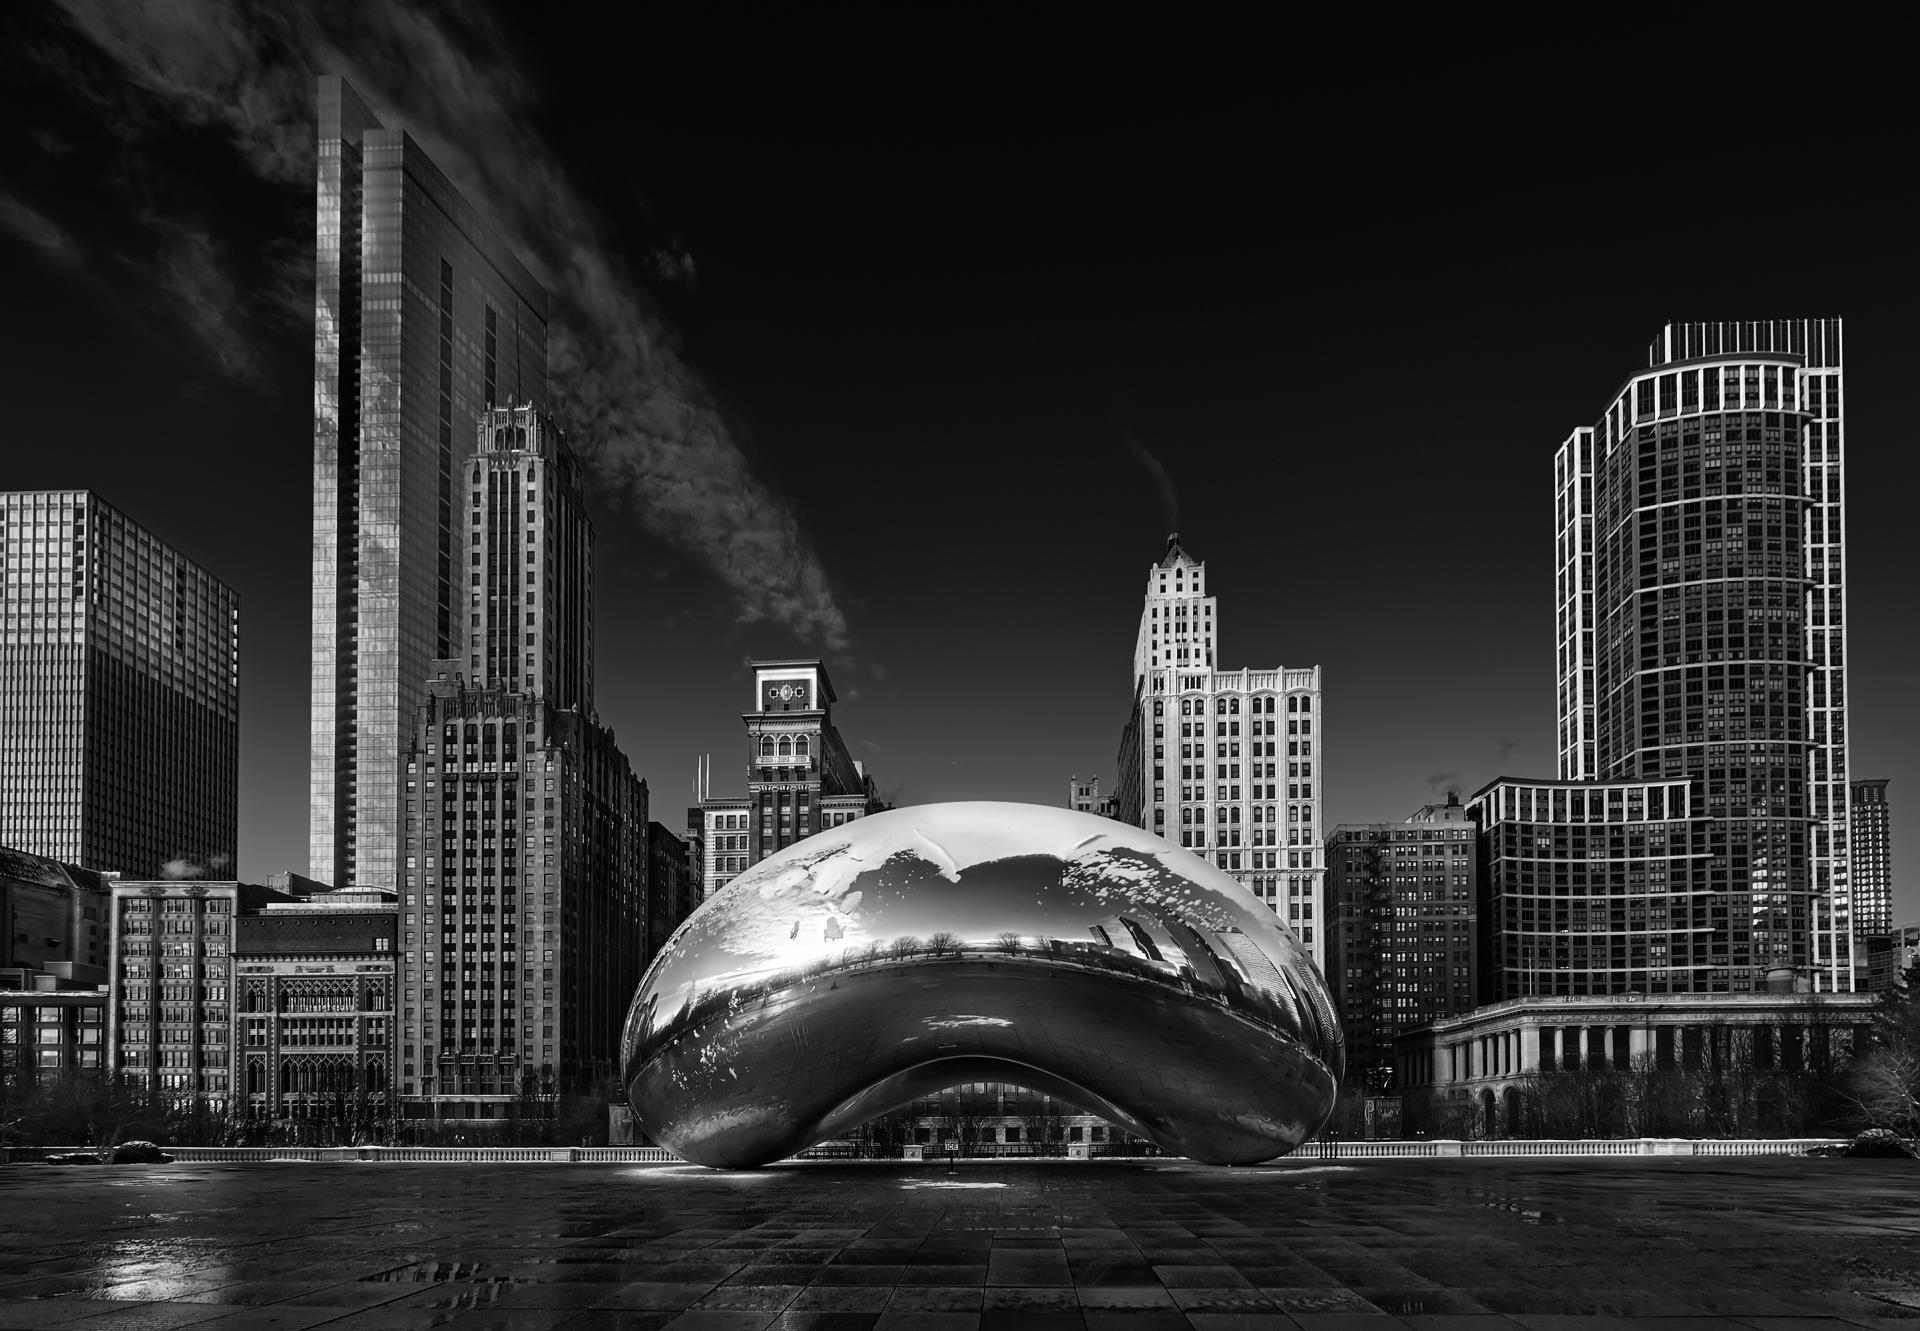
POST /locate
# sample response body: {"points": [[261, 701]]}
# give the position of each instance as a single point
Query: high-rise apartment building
{"points": [[119, 692], [1223, 760], [1871, 828], [423, 319], [1700, 602], [1402, 904], [800, 777], [1597, 887], [524, 875]]}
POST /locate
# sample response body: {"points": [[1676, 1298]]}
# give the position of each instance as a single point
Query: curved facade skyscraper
{"points": [[1700, 602]]}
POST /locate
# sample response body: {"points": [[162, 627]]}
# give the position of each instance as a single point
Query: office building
{"points": [[313, 1011], [800, 777], [1401, 930], [523, 882], [169, 1025], [1701, 611], [119, 692], [423, 319], [1223, 761], [49, 1025]]}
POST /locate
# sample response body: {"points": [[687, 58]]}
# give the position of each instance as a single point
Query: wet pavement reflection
{"points": [[1048, 1246]]}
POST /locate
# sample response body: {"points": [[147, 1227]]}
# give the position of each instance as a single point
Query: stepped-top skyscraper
{"points": [[1702, 632], [1223, 760], [422, 320]]}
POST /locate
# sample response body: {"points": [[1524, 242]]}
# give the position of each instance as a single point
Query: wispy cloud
{"points": [[194, 281], [38, 230], [1168, 495], [642, 415]]}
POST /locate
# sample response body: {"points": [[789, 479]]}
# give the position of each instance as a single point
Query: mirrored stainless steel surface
{"points": [[925, 947]]}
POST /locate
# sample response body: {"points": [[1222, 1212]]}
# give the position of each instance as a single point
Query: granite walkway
{"points": [[1066, 1246]]}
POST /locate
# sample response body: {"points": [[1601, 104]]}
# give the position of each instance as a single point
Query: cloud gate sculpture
{"points": [[911, 951]]}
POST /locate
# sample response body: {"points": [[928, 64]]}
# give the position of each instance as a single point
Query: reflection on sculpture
{"points": [[918, 949]]}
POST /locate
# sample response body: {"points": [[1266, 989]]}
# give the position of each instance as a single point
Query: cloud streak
{"points": [[641, 414], [36, 229], [1168, 495]]}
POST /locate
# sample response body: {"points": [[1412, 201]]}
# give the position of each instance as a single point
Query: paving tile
{"points": [[813, 1320], [1030, 1298], [1269, 1320], [942, 1275], [842, 1298], [1028, 1267], [1024, 1320], [927, 1321], [936, 1298], [650, 1295], [722, 1319], [1117, 1298]]}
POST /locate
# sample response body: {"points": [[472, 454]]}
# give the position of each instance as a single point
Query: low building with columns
{"points": [[1487, 1059]]}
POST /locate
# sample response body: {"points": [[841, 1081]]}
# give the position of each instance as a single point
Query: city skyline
{"points": [[972, 388]]}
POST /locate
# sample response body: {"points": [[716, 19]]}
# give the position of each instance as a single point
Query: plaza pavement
{"points": [[1780, 1244]]}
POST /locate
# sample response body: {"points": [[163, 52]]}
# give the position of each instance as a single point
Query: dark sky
{"points": [[1349, 286]]}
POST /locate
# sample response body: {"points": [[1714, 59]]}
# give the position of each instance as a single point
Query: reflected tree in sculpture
{"points": [[918, 949]]}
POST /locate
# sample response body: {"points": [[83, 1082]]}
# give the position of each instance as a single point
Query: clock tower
{"points": [[800, 777]]}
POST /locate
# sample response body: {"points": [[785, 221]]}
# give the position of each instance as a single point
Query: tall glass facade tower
{"points": [[119, 692], [1701, 629], [422, 320]]}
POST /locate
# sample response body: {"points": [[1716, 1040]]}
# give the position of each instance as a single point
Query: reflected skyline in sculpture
{"points": [[918, 949]]}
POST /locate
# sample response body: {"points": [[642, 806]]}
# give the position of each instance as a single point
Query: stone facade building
{"points": [[314, 1030], [1231, 764]]}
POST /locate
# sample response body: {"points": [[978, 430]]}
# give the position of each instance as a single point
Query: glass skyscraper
{"points": [[119, 692], [422, 320], [1701, 634]]}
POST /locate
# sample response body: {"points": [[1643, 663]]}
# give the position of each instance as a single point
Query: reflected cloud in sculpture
{"points": [[918, 949]]}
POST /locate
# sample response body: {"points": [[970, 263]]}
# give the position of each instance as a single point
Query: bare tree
{"points": [[903, 947], [1881, 1087], [1009, 942], [944, 942], [104, 1106]]}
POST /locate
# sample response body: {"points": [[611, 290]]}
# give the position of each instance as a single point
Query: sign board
{"points": [[953, 1146]]}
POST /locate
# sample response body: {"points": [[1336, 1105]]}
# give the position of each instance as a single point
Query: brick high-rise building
{"points": [[1224, 761], [119, 692], [423, 319], [169, 1025], [1701, 632], [1402, 909]]}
